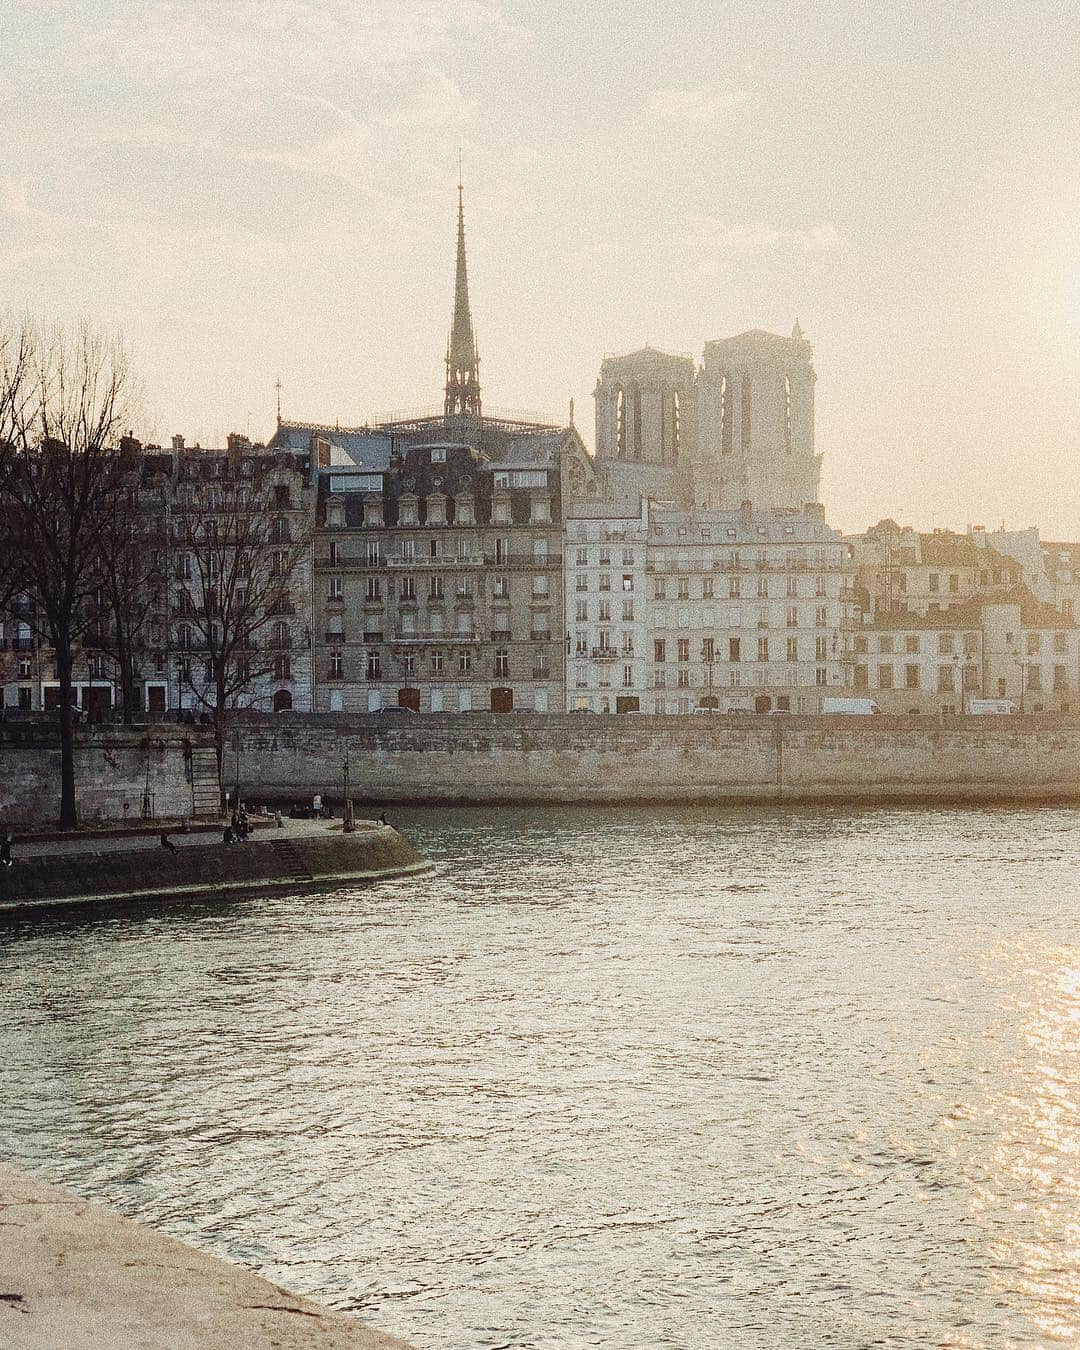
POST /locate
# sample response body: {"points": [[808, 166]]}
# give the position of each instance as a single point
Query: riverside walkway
{"points": [[74, 1276], [118, 867]]}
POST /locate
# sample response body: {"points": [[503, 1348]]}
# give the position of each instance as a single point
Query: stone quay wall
{"points": [[575, 758], [114, 766]]}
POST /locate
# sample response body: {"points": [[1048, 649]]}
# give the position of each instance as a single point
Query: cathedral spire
{"points": [[462, 357]]}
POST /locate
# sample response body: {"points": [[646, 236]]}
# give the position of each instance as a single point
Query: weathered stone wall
{"points": [[482, 757], [113, 766]]}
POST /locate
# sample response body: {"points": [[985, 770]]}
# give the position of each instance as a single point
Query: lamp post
{"points": [[347, 814]]}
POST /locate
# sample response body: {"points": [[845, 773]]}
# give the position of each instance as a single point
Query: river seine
{"points": [[620, 1077]]}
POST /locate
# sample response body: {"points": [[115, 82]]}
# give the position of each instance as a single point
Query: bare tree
{"points": [[63, 476], [237, 552], [132, 586], [17, 391]]}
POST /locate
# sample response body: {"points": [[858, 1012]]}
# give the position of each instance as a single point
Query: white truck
{"points": [[990, 707], [850, 707]]}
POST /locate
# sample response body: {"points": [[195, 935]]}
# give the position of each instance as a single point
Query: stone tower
{"points": [[755, 400], [462, 354], [645, 408]]}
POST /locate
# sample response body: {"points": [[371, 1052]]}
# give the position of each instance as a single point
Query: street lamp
{"points": [[348, 824]]}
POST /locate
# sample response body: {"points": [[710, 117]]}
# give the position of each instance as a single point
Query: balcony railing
{"points": [[604, 653], [439, 639]]}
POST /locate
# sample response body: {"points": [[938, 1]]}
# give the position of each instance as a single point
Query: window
{"points": [[733, 588], [628, 611], [332, 556], [821, 617], [1033, 681], [821, 676], [733, 649], [792, 587], [435, 587], [946, 644], [605, 581], [885, 677], [821, 649], [627, 676], [501, 588], [605, 611], [408, 588], [659, 679], [1034, 644], [911, 643], [583, 557], [581, 582], [334, 588], [763, 649], [502, 552], [581, 613], [436, 662], [502, 663], [540, 584], [707, 588], [886, 643], [946, 680], [793, 616], [954, 583], [605, 557], [659, 650], [763, 588], [684, 588], [337, 666], [540, 665], [659, 589], [372, 588], [911, 677], [935, 583], [683, 681], [464, 663], [581, 643], [684, 649], [465, 588], [628, 581]]}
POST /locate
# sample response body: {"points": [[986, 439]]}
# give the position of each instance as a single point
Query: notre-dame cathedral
{"points": [[737, 428]]}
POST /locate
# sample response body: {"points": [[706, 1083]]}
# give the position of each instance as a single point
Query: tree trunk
{"points": [[69, 819], [219, 746], [127, 684]]}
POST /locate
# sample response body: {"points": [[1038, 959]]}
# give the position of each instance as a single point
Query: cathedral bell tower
{"points": [[462, 356]]}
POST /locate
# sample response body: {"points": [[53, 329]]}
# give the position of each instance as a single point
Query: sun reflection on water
{"points": [[1025, 1179]]}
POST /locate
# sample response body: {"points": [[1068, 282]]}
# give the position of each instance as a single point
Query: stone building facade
{"points": [[743, 610], [170, 658], [738, 428], [1010, 646]]}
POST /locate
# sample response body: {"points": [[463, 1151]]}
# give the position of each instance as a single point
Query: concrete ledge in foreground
{"points": [[74, 1275]]}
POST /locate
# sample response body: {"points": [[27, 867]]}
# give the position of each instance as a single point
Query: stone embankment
{"points": [[127, 868], [121, 773], [74, 1276], [586, 758]]}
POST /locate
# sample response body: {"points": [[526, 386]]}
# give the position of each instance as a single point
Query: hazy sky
{"points": [[255, 188]]}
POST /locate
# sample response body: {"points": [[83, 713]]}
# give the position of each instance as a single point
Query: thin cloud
{"points": [[694, 103]]}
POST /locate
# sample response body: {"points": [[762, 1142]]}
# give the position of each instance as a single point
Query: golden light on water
{"points": [[1025, 1176]]}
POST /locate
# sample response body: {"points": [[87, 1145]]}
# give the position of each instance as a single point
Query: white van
{"points": [[998, 707], [850, 707]]}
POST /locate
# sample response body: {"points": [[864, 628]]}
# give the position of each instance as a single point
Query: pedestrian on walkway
{"points": [[5, 851], [166, 842]]}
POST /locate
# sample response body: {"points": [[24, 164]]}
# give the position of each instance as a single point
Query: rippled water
{"points": [[616, 1078]]}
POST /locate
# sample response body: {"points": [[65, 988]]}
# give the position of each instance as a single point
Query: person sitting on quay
{"points": [[5, 851]]}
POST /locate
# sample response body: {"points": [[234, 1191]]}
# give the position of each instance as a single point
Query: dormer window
{"points": [[438, 455]]}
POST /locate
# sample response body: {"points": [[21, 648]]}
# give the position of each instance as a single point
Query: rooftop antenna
{"points": [[278, 388]]}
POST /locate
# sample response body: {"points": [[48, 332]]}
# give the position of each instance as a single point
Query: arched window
{"points": [[620, 423], [282, 700], [787, 415], [744, 429], [637, 421], [725, 415], [676, 429]]}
